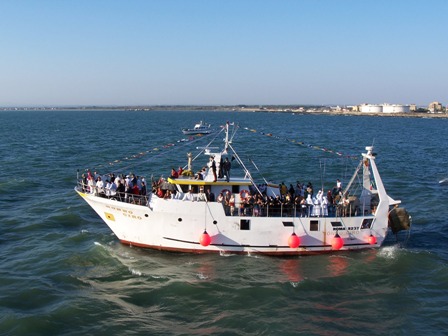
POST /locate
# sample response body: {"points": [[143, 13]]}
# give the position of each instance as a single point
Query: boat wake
{"points": [[201, 276], [226, 254], [389, 252], [121, 258]]}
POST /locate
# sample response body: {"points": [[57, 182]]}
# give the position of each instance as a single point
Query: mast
{"points": [[226, 139]]}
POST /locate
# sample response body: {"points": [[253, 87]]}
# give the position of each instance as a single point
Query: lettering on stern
{"points": [[353, 230]]}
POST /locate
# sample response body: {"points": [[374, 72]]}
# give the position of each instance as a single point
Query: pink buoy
{"points": [[205, 239], [294, 241], [372, 240], [337, 242]]}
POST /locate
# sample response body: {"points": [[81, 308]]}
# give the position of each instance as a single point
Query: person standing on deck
{"points": [[188, 196], [213, 167], [226, 166], [338, 185], [283, 190], [210, 195]]}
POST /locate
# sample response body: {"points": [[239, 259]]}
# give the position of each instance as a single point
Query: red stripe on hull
{"points": [[198, 251]]}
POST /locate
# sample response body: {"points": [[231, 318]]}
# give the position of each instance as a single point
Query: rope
{"points": [[157, 151], [301, 143]]}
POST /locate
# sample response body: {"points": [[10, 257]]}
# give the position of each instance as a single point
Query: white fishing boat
{"points": [[219, 213], [443, 181], [199, 128]]}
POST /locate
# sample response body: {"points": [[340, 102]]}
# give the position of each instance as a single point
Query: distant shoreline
{"points": [[308, 110]]}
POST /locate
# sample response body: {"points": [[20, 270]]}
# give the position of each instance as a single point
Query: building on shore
{"points": [[435, 107]]}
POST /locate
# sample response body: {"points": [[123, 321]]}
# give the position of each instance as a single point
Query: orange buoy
{"points": [[205, 239], [372, 239], [337, 242], [294, 241]]}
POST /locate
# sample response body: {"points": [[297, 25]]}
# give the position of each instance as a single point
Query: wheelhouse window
{"points": [[367, 223]]}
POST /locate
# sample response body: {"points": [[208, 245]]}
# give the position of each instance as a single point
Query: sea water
{"points": [[63, 272]]}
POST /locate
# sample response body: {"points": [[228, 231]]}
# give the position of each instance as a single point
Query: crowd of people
{"points": [[126, 188], [299, 200], [293, 201]]}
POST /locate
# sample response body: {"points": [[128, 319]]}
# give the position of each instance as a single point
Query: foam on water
{"points": [[389, 252]]}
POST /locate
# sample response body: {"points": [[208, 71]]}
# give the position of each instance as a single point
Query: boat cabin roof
{"points": [[190, 181]]}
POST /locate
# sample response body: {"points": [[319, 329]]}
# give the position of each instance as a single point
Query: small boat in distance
{"points": [[444, 181], [199, 128]]}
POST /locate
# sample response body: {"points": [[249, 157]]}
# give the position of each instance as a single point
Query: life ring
{"points": [[224, 191], [245, 192]]}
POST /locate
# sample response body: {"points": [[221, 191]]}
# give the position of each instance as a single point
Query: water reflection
{"points": [[337, 265], [290, 268]]}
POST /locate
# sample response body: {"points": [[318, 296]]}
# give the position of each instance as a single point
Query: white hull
{"points": [[200, 128], [175, 225], [194, 132]]}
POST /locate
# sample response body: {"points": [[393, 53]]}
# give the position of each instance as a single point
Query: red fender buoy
{"points": [[294, 241], [371, 240], [337, 242], [205, 239]]}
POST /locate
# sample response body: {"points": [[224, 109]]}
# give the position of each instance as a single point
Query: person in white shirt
{"points": [[100, 186], [188, 196], [91, 184], [111, 189], [310, 204], [339, 185], [201, 195], [324, 206]]}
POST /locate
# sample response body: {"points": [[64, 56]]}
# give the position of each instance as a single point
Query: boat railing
{"points": [[292, 210], [113, 195], [266, 210]]}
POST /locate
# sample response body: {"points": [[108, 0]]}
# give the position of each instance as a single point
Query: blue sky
{"points": [[160, 52]]}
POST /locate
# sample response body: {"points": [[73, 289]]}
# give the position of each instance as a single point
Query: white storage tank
{"points": [[396, 108], [369, 108]]}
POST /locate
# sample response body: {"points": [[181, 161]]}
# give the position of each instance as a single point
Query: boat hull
{"points": [[195, 132], [176, 225]]}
